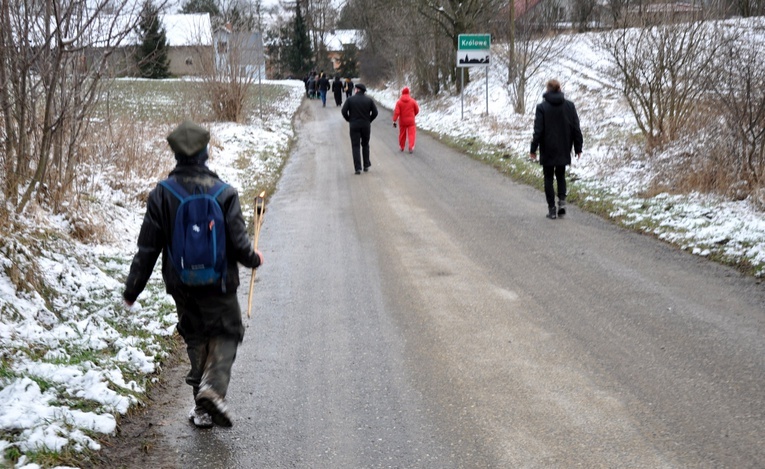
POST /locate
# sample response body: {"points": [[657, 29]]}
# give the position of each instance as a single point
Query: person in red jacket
{"points": [[405, 111]]}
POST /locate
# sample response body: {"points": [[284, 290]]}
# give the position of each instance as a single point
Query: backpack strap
{"points": [[175, 188], [219, 186]]}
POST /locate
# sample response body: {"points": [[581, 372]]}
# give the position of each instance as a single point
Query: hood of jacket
{"points": [[555, 98], [405, 91]]}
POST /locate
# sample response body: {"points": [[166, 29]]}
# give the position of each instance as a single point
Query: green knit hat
{"points": [[188, 139]]}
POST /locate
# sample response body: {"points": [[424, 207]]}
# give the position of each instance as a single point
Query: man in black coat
{"points": [[556, 132], [337, 90], [359, 111], [209, 317]]}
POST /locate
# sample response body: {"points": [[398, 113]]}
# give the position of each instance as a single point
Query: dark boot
{"points": [[551, 213], [561, 208], [215, 406]]}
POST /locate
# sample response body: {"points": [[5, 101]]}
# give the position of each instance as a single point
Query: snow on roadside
{"points": [[71, 363], [702, 224]]}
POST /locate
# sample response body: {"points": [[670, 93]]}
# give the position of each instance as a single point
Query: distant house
{"points": [[189, 40], [335, 43], [240, 50]]}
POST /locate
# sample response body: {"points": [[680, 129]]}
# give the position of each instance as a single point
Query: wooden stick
{"points": [[260, 208]]}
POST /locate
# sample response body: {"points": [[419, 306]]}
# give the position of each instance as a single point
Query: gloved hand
{"points": [[394, 125]]}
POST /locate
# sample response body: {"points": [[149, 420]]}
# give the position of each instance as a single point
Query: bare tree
{"points": [[455, 17], [741, 98], [390, 30], [533, 42], [230, 74], [53, 56], [662, 72], [320, 17], [582, 14]]}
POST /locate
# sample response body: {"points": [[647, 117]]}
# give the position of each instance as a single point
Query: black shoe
{"points": [[358, 171], [561, 208], [366, 169], [551, 213]]}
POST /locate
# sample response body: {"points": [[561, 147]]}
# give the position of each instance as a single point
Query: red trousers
{"points": [[411, 131]]}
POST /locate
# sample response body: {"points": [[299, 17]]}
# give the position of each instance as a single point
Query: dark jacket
{"points": [[556, 130], [337, 86], [156, 232], [323, 84], [359, 110]]}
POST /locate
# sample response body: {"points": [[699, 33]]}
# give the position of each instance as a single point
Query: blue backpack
{"points": [[198, 244]]}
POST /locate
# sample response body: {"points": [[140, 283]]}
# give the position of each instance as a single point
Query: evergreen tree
{"points": [[201, 6], [349, 66], [152, 55], [298, 55]]}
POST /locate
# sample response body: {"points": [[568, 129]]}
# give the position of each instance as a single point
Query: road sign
{"points": [[473, 50]]}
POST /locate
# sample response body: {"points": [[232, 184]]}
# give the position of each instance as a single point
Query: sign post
{"points": [[474, 50]]}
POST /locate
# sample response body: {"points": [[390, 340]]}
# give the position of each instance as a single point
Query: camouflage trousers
{"points": [[211, 327]]}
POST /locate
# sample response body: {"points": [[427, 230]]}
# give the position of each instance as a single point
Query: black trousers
{"points": [[211, 326], [360, 145], [559, 172]]}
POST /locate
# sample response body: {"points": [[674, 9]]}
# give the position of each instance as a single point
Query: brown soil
{"points": [[139, 441]]}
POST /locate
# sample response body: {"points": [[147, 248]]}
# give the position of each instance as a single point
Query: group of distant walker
{"points": [[556, 133], [317, 85]]}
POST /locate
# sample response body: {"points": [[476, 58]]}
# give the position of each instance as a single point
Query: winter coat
{"points": [[337, 86], [359, 110], [556, 130], [157, 228], [406, 109], [323, 84]]}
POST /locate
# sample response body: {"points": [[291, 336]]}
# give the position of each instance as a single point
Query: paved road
{"points": [[427, 315]]}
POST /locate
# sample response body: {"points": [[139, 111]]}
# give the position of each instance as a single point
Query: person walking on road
{"points": [[348, 88], [359, 111], [556, 132], [323, 86], [337, 90], [209, 316], [311, 85], [405, 111]]}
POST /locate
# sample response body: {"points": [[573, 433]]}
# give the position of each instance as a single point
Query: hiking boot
{"points": [[561, 208], [200, 417], [551, 213], [211, 401]]}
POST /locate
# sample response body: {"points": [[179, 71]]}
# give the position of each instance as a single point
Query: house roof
{"points": [[336, 39]]}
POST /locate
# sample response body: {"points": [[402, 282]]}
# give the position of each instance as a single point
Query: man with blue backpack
{"points": [[195, 221]]}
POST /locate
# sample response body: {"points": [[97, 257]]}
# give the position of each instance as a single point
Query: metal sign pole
{"points": [[487, 89], [462, 93]]}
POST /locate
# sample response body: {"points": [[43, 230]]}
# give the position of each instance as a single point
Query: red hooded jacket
{"points": [[406, 109]]}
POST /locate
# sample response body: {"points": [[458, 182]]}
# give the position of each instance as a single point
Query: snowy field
{"points": [[69, 368]]}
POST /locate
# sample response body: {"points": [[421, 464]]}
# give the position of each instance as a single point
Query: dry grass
{"points": [[701, 161]]}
